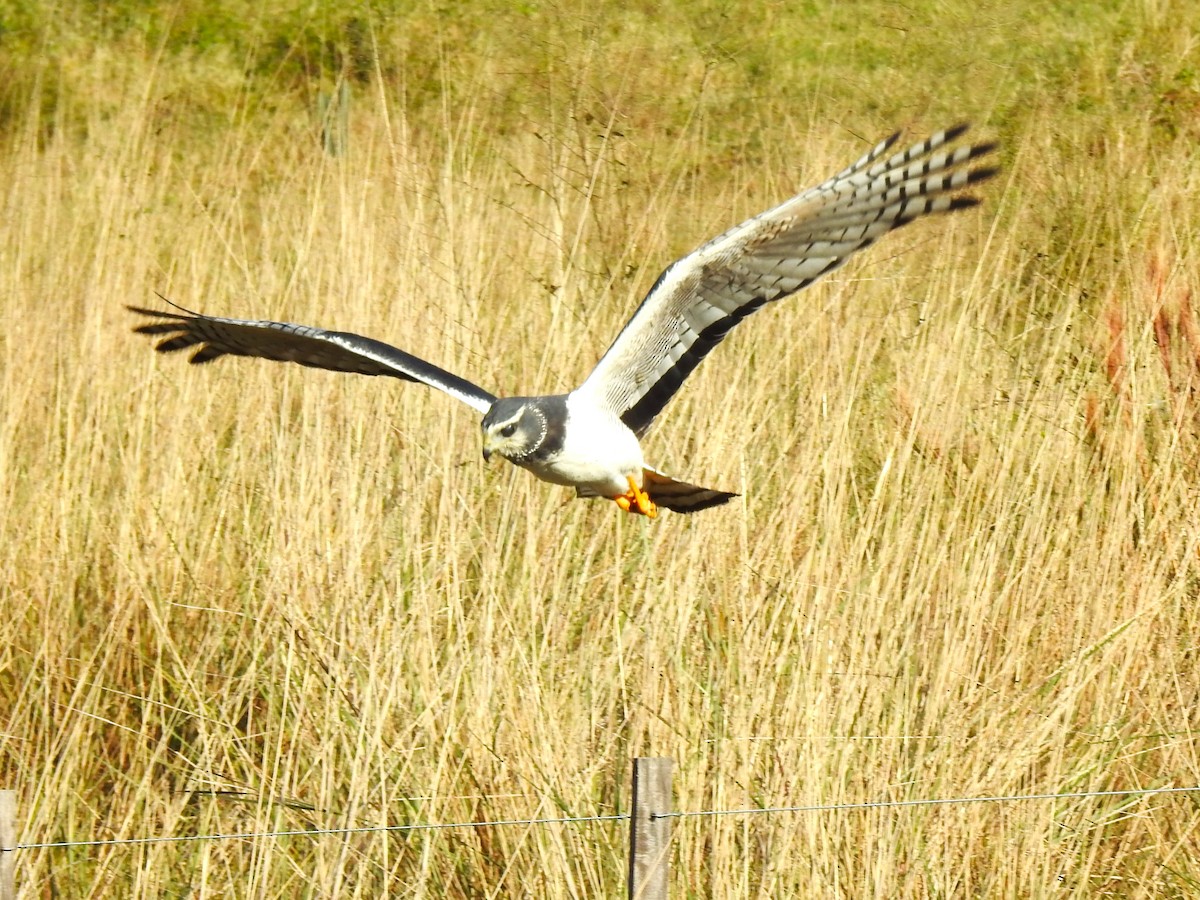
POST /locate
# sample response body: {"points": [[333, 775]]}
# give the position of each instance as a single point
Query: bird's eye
{"points": [[508, 430]]}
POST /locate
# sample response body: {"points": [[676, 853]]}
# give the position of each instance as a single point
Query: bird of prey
{"points": [[589, 439]]}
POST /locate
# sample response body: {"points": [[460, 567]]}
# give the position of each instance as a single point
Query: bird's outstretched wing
{"points": [[338, 351], [699, 298]]}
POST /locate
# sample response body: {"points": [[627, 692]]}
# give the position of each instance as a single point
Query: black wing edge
{"points": [[376, 357]]}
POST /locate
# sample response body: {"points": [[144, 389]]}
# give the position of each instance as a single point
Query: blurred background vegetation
{"points": [[735, 63]]}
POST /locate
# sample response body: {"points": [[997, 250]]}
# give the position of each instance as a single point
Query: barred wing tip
{"points": [[698, 299]]}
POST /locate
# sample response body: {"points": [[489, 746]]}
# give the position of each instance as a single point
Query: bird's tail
{"points": [[680, 496]]}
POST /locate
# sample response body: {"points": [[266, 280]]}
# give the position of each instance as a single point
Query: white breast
{"points": [[599, 453]]}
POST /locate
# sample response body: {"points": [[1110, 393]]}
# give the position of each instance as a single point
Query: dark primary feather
{"points": [[339, 351], [697, 301], [679, 496]]}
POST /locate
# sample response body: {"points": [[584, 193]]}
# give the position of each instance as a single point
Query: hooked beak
{"points": [[488, 448]]}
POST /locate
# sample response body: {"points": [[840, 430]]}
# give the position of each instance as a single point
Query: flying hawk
{"points": [[589, 439]]}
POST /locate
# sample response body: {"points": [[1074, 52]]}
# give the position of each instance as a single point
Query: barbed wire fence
{"points": [[649, 830]]}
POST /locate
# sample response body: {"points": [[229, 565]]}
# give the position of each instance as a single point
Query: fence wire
{"points": [[946, 801], [361, 829], [579, 820]]}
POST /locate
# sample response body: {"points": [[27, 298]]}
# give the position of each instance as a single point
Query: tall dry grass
{"points": [[256, 597]]}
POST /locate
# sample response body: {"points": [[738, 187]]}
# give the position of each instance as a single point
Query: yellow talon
{"points": [[635, 500]]}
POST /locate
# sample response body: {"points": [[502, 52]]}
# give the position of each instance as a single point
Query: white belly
{"points": [[599, 453]]}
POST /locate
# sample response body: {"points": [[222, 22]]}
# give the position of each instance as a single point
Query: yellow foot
{"points": [[635, 500]]}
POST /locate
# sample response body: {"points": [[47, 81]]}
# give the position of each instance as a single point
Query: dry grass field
{"points": [[252, 597]]}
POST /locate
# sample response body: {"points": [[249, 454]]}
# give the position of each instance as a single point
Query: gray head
{"points": [[515, 427]]}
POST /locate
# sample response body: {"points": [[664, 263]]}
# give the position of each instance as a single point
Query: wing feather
{"points": [[700, 298], [338, 351]]}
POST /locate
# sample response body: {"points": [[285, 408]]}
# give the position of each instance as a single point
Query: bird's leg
{"points": [[635, 500]]}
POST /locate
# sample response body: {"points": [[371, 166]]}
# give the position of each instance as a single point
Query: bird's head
{"points": [[514, 428]]}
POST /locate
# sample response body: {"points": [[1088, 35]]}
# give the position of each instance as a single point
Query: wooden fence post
{"points": [[8, 843], [649, 829]]}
